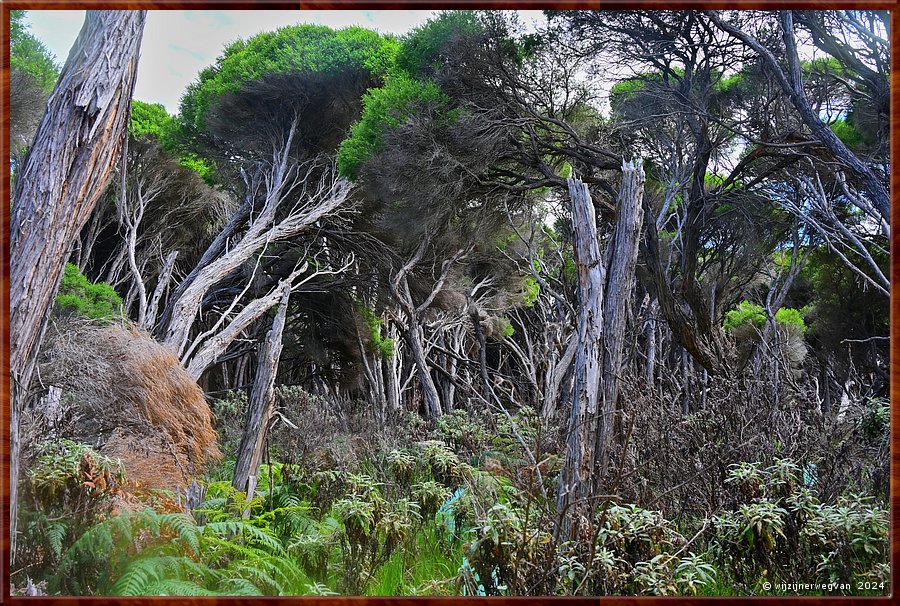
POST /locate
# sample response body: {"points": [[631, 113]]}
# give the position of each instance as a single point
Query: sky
{"points": [[178, 44]]}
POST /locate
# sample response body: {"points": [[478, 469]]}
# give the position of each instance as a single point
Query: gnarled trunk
{"points": [[604, 291], [262, 403], [66, 170]]}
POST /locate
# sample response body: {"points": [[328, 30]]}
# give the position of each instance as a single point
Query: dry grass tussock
{"points": [[127, 395]]}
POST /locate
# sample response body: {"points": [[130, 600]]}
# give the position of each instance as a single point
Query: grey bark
{"points": [[429, 390], [554, 380], [582, 427], [620, 266], [66, 170], [162, 283], [402, 293], [282, 179], [262, 403], [603, 298]]}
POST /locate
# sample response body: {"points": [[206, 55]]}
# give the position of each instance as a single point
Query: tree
{"points": [[280, 181], [790, 80], [262, 402], [66, 170], [604, 292]]}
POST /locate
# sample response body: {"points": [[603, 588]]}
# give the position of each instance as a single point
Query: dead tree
{"points": [[604, 291], [66, 170], [139, 191], [402, 293], [206, 347], [262, 403], [271, 185], [621, 259]]}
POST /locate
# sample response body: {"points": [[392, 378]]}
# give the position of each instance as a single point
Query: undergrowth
{"points": [[451, 514]]}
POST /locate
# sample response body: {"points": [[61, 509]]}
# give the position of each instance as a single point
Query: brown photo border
{"points": [[5, 196]]}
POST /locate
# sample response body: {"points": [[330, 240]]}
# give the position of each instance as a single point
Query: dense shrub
{"points": [[78, 295], [748, 314], [782, 532]]}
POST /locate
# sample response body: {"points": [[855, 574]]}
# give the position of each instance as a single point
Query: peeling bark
{"points": [[604, 293], [262, 403], [66, 170]]}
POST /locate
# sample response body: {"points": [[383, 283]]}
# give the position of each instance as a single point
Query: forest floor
{"points": [[450, 508]]}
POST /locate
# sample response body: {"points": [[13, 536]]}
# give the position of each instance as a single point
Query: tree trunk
{"points": [[582, 427], [281, 180], [555, 378], [620, 265], [262, 403], [66, 170], [601, 319], [392, 374], [429, 390], [162, 283]]}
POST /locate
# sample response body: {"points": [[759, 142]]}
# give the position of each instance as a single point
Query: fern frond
{"points": [[239, 587], [183, 525], [244, 529], [98, 539], [176, 587], [56, 534], [138, 576]]}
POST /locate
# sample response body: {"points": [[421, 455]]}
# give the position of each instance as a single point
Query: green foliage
{"points": [[423, 569], [423, 51], [149, 120], [840, 306], [28, 54], [820, 66], [64, 465], [531, 289], [627, 90], [77, 294], [505, 327], [400, 98], [847, 133], [749, 314], [200, 165], [298, 49], [69, 487], [149, 553], [787, 316], [781, 530], [729, 84], [382, 346]]}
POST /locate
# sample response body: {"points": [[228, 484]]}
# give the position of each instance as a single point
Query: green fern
{"points": [[246, 530], [176, 587], [56, 534], [239, 587]]}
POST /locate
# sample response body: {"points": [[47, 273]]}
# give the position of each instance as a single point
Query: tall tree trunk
{"points": [[65, 172], [582, 427], [601, 320], [392, 373], [429, 390], [262, 403], [620, 264]]}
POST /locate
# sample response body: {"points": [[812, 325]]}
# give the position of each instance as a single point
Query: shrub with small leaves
{"points": [[78, 295]]}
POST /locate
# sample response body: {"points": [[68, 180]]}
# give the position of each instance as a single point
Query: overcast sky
{"points": [[178, 44]]}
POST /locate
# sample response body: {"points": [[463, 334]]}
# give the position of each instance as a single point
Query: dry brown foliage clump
{"points": [[128, 396]]}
